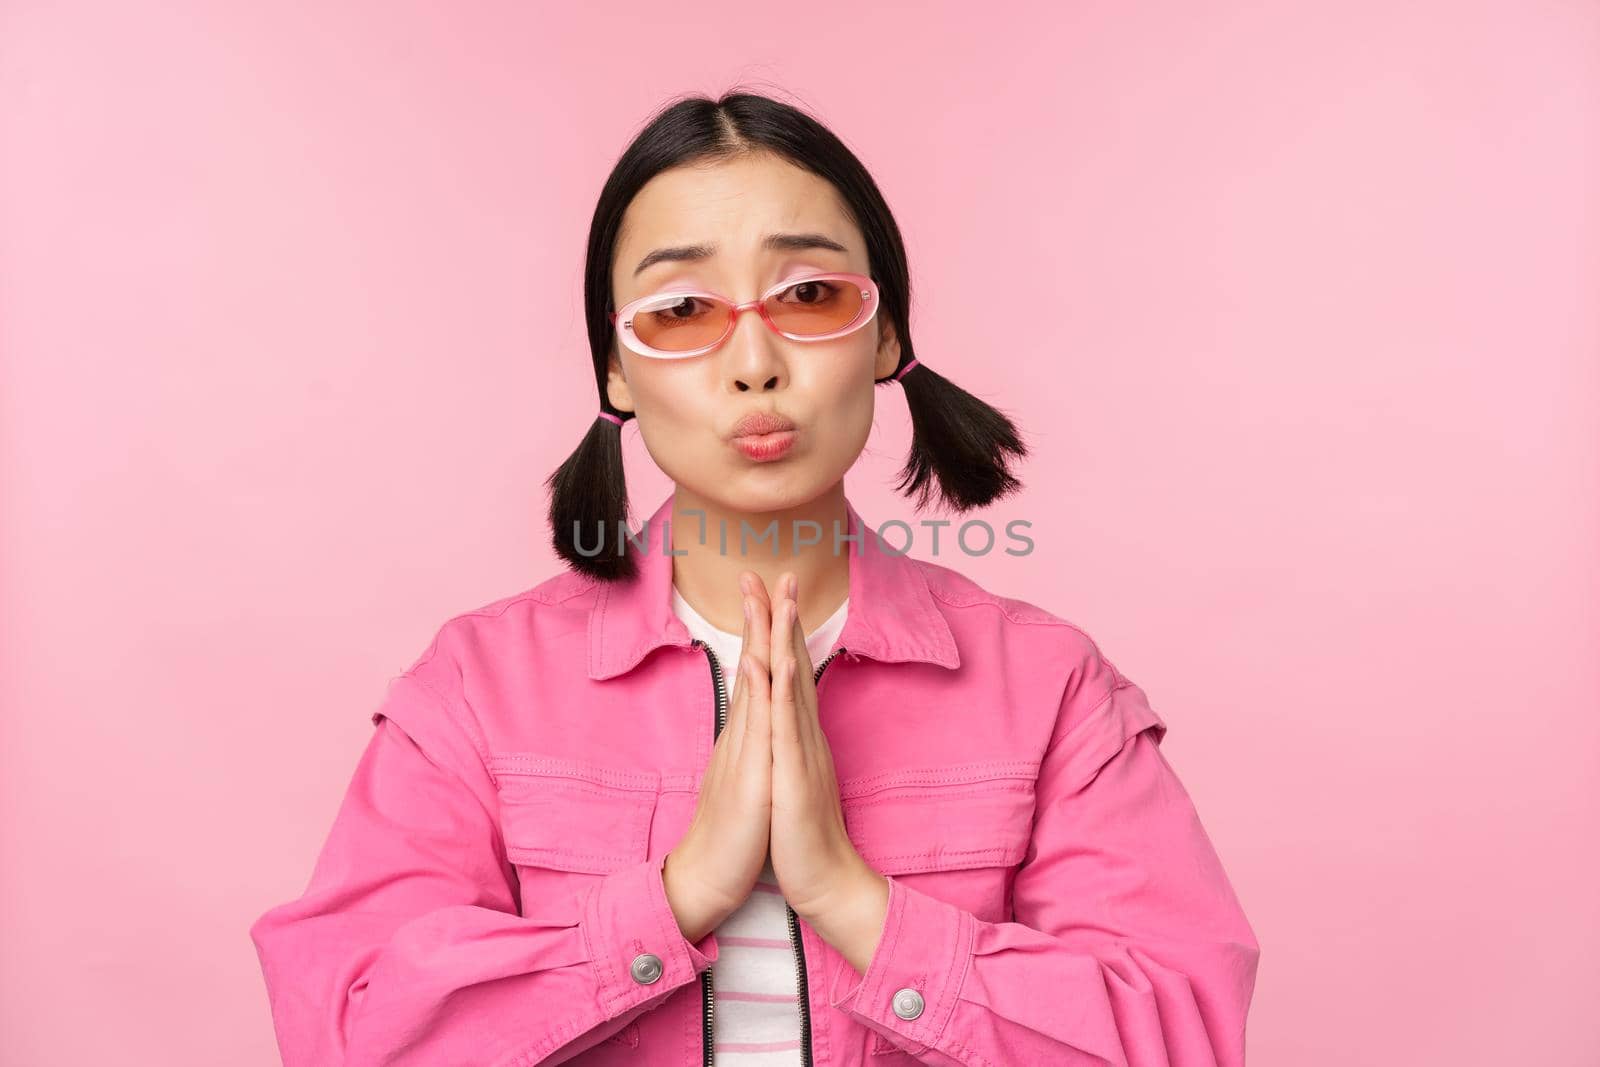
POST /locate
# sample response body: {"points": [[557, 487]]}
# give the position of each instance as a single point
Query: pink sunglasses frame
{"points": [[622, 318]]}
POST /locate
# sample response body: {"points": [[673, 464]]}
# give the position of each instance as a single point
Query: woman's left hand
{"points": [[816, 863]]}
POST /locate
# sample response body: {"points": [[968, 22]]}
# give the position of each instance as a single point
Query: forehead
{"points": [[732, 204]]}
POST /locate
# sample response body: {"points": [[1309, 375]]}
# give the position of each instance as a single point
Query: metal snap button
{"points": [[908, 1004], [646, 968]]}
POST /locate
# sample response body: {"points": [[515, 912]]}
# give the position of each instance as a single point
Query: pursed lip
{"points": [[760, 422]]}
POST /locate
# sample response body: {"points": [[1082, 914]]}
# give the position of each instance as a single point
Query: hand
{"points": [[712, 869], [819, 871]]}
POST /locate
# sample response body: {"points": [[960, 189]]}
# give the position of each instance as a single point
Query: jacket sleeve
{"points": [[1128, 947], [407, 947]]}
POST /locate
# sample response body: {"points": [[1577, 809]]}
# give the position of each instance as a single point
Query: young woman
{"points": [[748, 784]]}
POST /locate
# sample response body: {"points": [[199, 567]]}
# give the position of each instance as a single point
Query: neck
{"points": [[772, 543]]}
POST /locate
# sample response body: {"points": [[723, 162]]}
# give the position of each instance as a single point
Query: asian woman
{"points": [[749, 784]]}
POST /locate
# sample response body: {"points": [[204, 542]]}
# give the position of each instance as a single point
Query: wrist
{"points": [[696, 916], [851, 918]]}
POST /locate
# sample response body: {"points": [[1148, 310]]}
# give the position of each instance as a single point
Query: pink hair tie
{"points": [[907, 367], [614, 418]]}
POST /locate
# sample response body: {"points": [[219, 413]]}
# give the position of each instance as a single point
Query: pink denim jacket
{"points": [[490, 892]]}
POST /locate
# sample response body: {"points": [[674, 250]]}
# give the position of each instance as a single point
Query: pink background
{"points": [[1296, 304]]}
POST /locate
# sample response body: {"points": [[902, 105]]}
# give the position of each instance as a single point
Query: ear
{"points": [[617, 391], [888, 357]]}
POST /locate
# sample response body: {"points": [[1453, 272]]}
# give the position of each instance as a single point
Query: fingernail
{"points": [[745, 603]]}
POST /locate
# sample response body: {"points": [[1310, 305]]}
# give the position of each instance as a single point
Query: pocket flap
{"points": [[977, 815], [572, 815]]}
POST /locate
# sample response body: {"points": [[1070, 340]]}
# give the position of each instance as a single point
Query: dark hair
{"points": [[959, 444]]}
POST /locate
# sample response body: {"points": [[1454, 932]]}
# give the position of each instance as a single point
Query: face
{"points": [[687, 408]]}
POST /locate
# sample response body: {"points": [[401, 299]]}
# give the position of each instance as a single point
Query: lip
{"points": [[763, 436], [764, 447], [761, 423]]}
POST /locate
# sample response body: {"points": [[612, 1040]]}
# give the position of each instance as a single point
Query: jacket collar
{"points": [[892, 615]]}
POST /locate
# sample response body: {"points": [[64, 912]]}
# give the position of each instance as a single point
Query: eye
{"points": [[676, 311], [810, 292]]}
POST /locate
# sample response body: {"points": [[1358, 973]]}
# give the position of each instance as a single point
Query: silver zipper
{"points": [[707, 995]]}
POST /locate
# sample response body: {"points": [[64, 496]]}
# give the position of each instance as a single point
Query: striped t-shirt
{"points": [[755, 984]]}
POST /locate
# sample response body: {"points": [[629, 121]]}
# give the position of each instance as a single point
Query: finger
{"points": [[804, 695], [802, 655], [760, 713], [744, 642], [786, 713], [758, 641], [781, 643], [785, 736], [758, 725], [758, 589]]}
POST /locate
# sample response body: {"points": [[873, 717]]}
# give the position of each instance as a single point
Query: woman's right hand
{"points": [[713, 867]]}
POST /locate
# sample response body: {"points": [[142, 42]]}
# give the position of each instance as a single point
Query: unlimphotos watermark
{"points": [[973, 537]]}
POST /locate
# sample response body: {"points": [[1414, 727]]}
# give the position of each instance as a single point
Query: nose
{"points": [[751, 355]]}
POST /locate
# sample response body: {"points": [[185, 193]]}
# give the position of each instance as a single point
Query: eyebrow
{"points": [[773, 242]]}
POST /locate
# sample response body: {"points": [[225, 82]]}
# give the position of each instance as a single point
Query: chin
{"points": [[764, 487]]}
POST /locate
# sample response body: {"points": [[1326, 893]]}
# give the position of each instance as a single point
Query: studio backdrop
{"points": [[1294, 303]]}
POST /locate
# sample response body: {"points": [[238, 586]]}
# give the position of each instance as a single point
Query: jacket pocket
{"points": [[954, 818], [956, 833], [566, 823], [572, 815]]}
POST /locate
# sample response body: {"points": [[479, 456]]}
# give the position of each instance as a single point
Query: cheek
{"points": [[673, 407], [841, 393], [676, 393]]}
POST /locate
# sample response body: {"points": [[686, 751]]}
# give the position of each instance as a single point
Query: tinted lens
{"points": [[680, 323], [813, 307]]}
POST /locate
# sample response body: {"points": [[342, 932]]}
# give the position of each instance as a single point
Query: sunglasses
{"points": [[681, 323]]}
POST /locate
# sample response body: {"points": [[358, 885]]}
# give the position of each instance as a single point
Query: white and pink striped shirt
{"points": [[754, 981]]}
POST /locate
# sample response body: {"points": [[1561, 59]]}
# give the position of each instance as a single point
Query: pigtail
{"points": [[589, 505], [961, 446]]}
